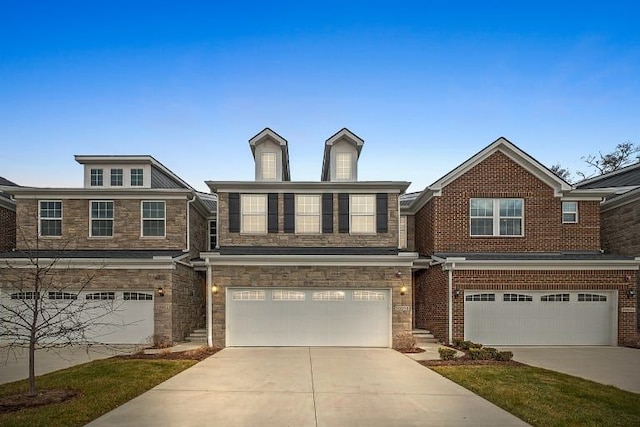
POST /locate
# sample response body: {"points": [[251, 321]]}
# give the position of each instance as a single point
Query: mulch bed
{"points": [[17, 402], [465, 361], [412, 350], [197, 354]]}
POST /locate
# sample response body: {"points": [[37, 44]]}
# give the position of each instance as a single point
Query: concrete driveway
{"points": [[308, 387], [617, 366]]}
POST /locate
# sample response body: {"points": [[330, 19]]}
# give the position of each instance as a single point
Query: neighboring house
{"points": [[7, 218], [308, 263], [133, 226], [510, 255]]}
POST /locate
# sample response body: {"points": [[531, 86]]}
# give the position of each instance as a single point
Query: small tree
{"points": [[624, 154], [43, 308], [561, 172]]}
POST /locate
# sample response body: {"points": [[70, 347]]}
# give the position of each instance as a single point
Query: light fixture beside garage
{"points": [[403, 290], [456, 293], [160, 291], [630, 292], [214, 289]]}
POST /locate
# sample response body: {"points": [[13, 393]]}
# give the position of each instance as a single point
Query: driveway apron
{"points": [[304, 386]]}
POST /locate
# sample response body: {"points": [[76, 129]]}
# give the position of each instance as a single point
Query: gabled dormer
{"points": [[271, 156], [341, 153]]}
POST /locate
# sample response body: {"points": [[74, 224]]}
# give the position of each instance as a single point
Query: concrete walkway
{"points": [[308, 387], [617, 366]]}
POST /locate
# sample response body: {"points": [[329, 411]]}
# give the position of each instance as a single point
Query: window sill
{"points": [[497, 237], [153, 237], [99, 237]]}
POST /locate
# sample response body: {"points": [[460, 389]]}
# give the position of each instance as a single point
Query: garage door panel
{"points": [[548, 319], [322, 318]]}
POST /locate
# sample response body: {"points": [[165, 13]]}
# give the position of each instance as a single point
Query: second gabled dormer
{"points": [[341, 153], [271, 156]]}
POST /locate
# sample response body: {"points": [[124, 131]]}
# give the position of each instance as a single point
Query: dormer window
{"points": [[268, 166], [343, 167], [97, 178], [137, 177]]}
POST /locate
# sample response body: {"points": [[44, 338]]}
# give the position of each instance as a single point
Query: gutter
{"points": [[450, 296]]}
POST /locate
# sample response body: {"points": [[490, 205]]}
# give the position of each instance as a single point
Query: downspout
{"points": [[188, 249], [399, 219], [450, 271], [209, 305]]}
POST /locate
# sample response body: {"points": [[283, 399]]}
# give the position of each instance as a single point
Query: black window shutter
{"points": [[234, 212], [343, 213], [272, 212], [382, 214], [327, 213], [289, 213]]}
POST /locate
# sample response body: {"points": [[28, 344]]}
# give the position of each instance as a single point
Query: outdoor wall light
{"points": [[214, 289], [630, 292], [160, 291], [398, 274], [456, 293], [403, 290]]}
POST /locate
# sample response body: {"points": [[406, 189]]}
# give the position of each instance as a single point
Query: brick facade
{"points": [[7, 229], [309, 278], [431, 304]]}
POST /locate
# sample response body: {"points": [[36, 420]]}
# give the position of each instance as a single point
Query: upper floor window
{"points": [[137, 177], [343, 167], [403, 232], [97, 178], [102, 219], [496, 217], [268, 166], [117, 178], [307, 214], [153, 219], [569, 212], [363, 213], [254, 213], [50, 218], [213, 234]]}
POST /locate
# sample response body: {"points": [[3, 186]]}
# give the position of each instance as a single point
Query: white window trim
{"points": [[91, 219], [209, 221], [316, 197], [349, 156], [111, 175], [101, 174], [496, 217], [40, 219], [569, 212], [263, 157], [242, 214], [142, 219], [131, 177], [351, 215]]}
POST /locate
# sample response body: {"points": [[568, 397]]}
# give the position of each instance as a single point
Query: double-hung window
{"points": [[363, 213], [569, 212], [153, 219], [101, 218], [254, 213], [117, 178], [137, 177], [307, 214], [50, 218], [268, 165], [213, 234], [496, 217], [97, 178], [343, 167]]}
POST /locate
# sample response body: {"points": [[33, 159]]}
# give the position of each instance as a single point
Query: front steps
{"points": [[423, 336], [198, 336]]}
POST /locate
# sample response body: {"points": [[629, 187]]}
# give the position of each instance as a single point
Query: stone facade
{"points": [[307, 277], [7, 229]]}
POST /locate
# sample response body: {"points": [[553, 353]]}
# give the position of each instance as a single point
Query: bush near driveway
{"points": [[547, 398]]}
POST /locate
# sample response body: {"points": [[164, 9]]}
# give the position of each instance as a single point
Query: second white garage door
{"points": [[541, 318], [303, 317]]}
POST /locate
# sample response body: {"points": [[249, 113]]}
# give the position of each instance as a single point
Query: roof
{"points": [[279, 250], [532, 256], [407, 199], [94, 254], [343, 133], [310, 186], [7, 183], [210, 201], [270, 134], [626, 177]]}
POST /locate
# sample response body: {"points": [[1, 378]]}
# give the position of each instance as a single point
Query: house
{"points": [[7, 218], [125, 236], [307, 263], [510, 255]]}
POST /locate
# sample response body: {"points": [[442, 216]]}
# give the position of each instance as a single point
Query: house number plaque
{"points": [[402, 308]]}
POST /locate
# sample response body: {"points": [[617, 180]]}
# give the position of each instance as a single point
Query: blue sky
{"points": [[425, 84]]}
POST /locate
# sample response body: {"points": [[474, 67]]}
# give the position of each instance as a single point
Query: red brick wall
{"points": [[443, 224], [612, 280], [431, 301], [7, 229]]}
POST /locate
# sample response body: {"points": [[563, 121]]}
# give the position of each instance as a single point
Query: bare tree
{"points": [[44, 308], [625, 154], [561, 172]]}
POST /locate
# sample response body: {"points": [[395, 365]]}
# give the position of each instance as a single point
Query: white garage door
{"points": [[110, 317], [303, 317], [541, 318]]}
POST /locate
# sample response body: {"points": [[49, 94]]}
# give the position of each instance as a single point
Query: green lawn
{"points": [[104, 384], [546, 398]]}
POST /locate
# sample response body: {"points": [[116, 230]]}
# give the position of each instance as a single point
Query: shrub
{"points": [[466, 345], [480, 354], [491, 352], [457, 342], [504, 356], [447, 353], [475, 345], [405, 341]]}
